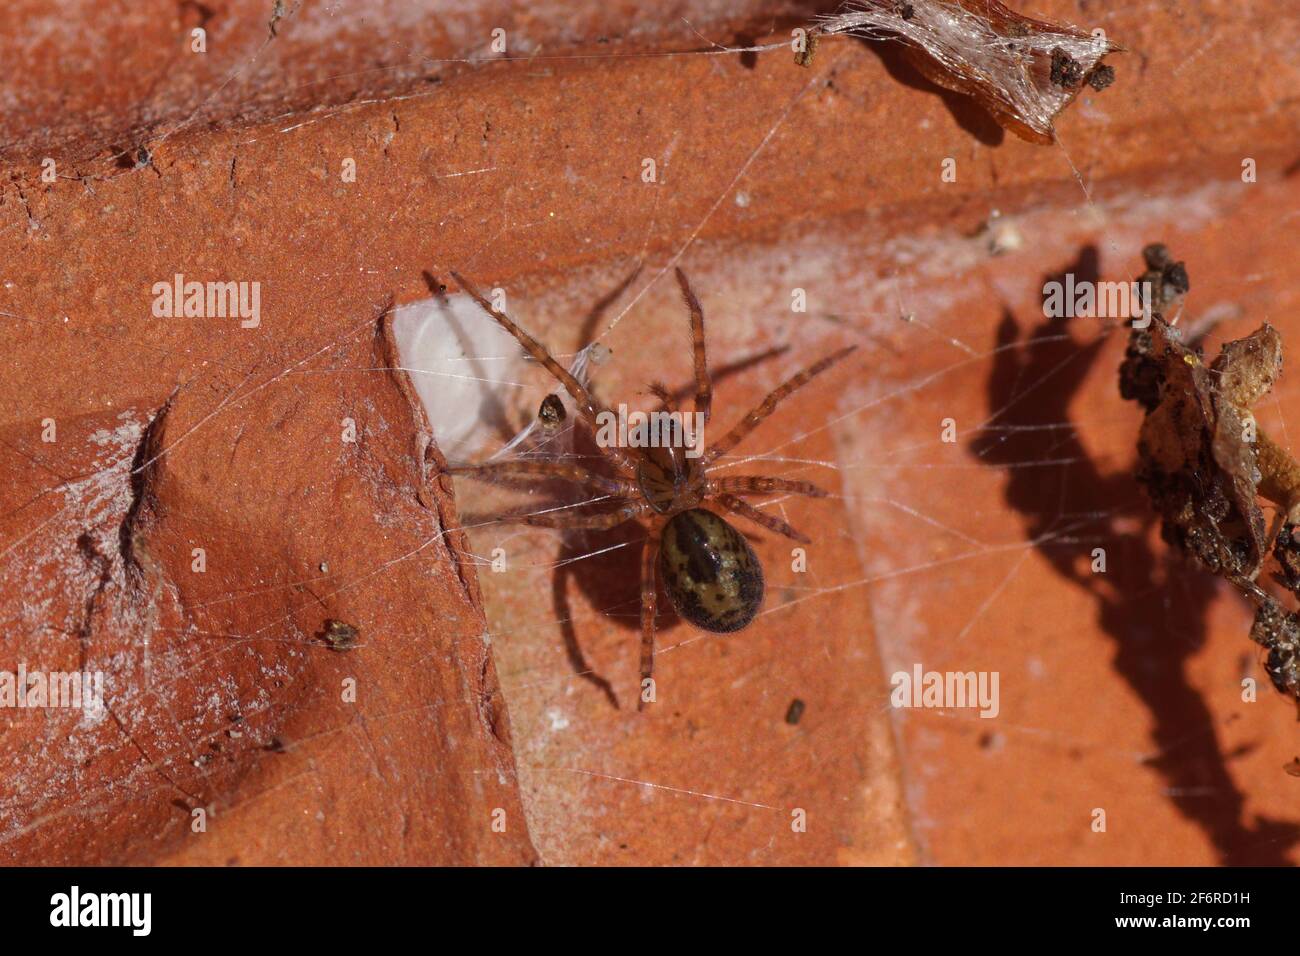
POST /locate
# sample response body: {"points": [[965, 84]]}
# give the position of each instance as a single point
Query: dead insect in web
{"points": [[1066, 71], [551, 412], [711, 574], [1101, 77], [340, 636]]}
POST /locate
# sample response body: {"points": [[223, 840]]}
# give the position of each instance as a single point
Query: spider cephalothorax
{"points": [[709, 571]]}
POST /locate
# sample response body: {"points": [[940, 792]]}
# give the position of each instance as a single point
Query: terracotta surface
{"points": [[1119, 692]]}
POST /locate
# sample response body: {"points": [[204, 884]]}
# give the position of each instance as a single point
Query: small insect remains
{"points": [[340, 636], [551, 412], [709, 570]]}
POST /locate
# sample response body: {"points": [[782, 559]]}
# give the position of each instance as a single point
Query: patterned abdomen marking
{"points": [[709, 571]]}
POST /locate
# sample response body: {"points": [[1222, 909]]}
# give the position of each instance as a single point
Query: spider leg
{"points": [[770, 522], [649, 598], [581, 522], [492, 471], [588, 407], [703, 383], [762, 485], [768, 405]]}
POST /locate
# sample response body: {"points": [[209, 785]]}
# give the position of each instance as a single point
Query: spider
{"points": [[709, 571]]}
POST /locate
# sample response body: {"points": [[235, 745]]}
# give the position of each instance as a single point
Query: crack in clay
{"points": [[144, 468]]}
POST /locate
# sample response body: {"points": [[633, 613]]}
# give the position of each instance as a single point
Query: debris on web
{"points": [[1205, 463], [1023, 71]]}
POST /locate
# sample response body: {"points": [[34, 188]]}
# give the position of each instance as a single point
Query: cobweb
{"points": [[957, 555]]}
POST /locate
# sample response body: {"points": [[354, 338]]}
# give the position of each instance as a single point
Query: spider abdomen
{"points": [[710, 572]]}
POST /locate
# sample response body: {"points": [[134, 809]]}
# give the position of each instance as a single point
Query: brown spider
{"points": [[709, 570]]}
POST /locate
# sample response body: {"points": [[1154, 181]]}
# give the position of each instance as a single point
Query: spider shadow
{"points": [[591, 321], [1156, 622], [967, 113]]}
